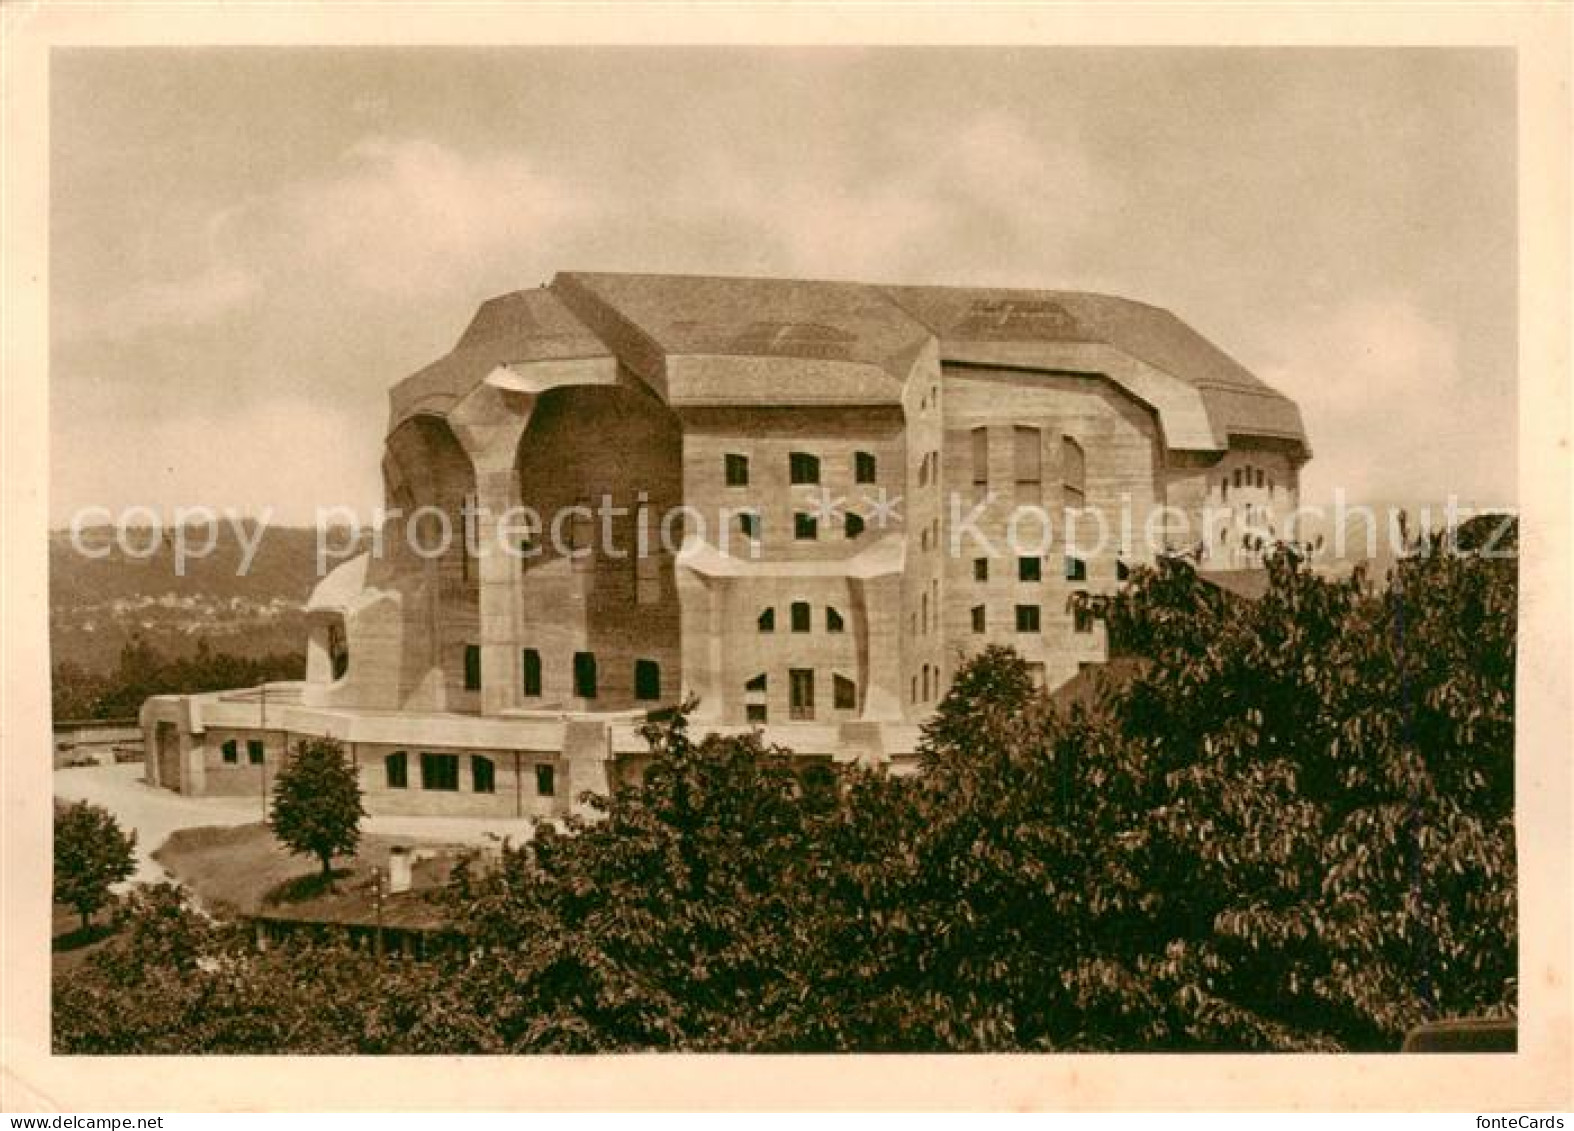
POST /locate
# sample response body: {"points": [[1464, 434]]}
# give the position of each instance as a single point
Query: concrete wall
{"points": [[1119, 440], [584, 444]]}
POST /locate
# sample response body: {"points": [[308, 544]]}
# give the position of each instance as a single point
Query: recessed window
{"points": [[647, 679], [853, 524], [1259, 477], [396, 769], [530, 662], [979, 618], [1076, 569], [1027, 618], [803, 468], [256, 752], [800, 693], [737, 470], [1081, 618], [980, 455], [1028, 455], [1122, 570], [231, 752], [546, 781], [647, 579], [767, 620], [1236, 477], [800, 616], [440, 772], [1224, 490], [338, 650], [844, 693], [833, 620], [1030, 569], [585, 675], [864, 468], [805, 527], [980, 569], [758, 683], [1073, 474], [749, 525], [483, 774], [472, 667], [754, 712]]}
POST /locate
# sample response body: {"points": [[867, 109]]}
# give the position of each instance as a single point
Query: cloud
{"points": [[1387, 406], [150, 306]]}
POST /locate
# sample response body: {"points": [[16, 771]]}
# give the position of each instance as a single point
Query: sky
{"points": [[249, 246]]}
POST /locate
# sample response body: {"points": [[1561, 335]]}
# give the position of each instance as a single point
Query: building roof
{"points": [[714, 340], [1235, 401]]}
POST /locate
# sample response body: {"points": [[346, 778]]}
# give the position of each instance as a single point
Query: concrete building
{"points": [[859, 485]]}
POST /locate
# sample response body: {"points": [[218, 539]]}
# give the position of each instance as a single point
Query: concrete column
{"points": [[488, 424], [879, 624]]}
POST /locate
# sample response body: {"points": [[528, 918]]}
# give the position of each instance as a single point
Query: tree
{"points": [[317, 803], [92, 853]]}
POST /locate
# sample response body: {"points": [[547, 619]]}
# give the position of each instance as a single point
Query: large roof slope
{"points": [[646, 320]]}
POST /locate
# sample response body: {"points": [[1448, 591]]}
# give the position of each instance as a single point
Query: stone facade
{"points": [[802, 504]]}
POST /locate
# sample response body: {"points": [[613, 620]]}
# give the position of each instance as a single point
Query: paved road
{"points": [[155, 813]]}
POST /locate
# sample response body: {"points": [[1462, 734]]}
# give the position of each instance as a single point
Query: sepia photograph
{"points": [[571, 550]]}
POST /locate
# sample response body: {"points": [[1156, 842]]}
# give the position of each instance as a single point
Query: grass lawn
{"points": [[242, 869]]}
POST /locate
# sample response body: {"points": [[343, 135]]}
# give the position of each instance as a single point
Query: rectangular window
{"points": [[845, 693], [980, 455], [754, 712], [767, 620], [803, 468], [231, 751], [647, 579], [531, 663], [1236, 477], [1073, 474], [1081, 618], [980, 569], [483, 775], [1027, 618], [853, 525], [546, 781], [585, 675], [833, 620], [805, 527], [1076, 569], [749, 525], [472, 667], [864, 467], [979, 618], [1030, 569], [440, 772], [737, 471], [647, 679], [800, 616], [1028, 455], [800, 691], [1259, 477], [255, 751], [396, 768]]}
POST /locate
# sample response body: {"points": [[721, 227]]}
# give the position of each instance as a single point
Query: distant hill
{"points": [[97, 604]]}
